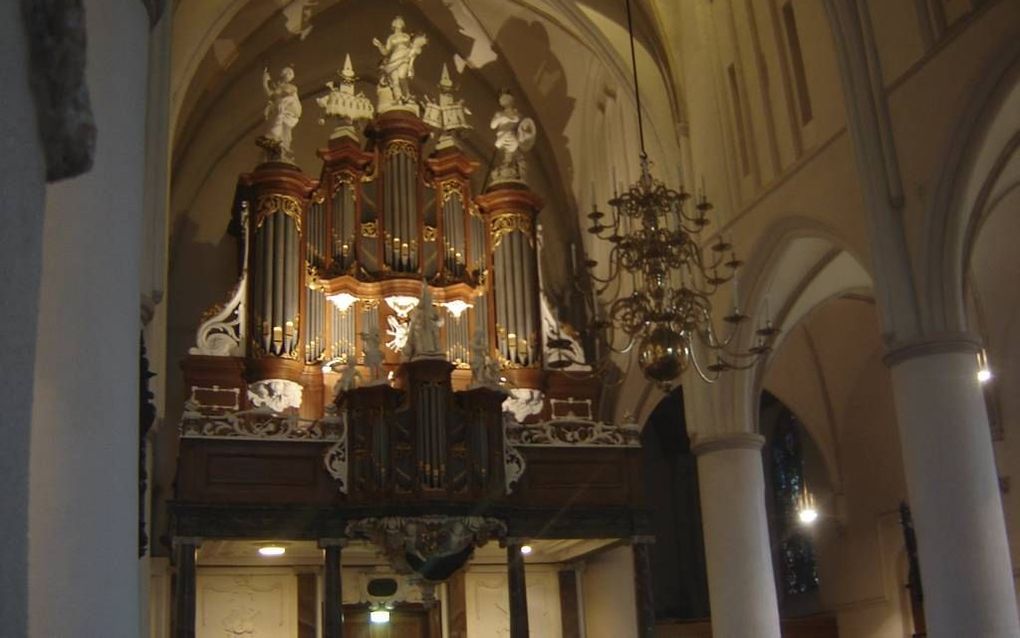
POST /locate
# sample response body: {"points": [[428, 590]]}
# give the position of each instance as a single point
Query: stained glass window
{"points": [[796, 555]]}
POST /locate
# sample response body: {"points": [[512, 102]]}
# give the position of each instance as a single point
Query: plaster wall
{"points": [[609, 604], [487, 601]]}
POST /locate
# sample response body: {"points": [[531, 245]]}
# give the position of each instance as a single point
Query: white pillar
{"points": [[741, 586], [83, 548], [948, 460], [22, 182]]}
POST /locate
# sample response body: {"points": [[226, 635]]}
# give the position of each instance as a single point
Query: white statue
{"points": [[514, 137], [449, 114], [423, 340], [485, 370], [397, 67], [373, 353], [282, 112], [344, 104], [349, 377]]}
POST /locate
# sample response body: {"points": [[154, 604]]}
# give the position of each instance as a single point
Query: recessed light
{"points": [[525, 549], [272, 550]]}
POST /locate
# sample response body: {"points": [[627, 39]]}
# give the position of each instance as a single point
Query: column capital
{"points": [[926, 345], [333, 542], [728, 441]]}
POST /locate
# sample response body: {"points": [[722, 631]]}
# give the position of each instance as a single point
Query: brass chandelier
{"points": [[654, 233]]}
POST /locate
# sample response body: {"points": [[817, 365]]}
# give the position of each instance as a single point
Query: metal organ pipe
{"points": [[528, 281]]}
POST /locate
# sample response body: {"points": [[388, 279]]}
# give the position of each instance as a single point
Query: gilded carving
{"points": [[508, 222], [450, 188], [278, 203], [369, 230], [429, 233], [401, 147], [343, 177]]}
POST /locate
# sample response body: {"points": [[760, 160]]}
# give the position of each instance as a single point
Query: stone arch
{"points": [[984, 143]]}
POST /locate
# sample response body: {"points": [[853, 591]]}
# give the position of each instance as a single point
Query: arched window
{"points": [[796, 569]]}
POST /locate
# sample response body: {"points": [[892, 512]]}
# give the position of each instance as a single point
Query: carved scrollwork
{"points": [[258, 424], [278, 203], [508, 222], [513, 461], [336, 459], [222, 331], [369, 230], [429, 234], [573, 433]]}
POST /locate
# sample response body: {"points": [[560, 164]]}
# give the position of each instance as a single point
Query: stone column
{"points": [[83, 510], [643, 592], [741, 586], [954, 492], [185, 594], [333, 612], [517, 589], [22, 182]]}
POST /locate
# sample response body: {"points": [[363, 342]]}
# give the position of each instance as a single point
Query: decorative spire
{"points": [[449, 114], [344, 104]]}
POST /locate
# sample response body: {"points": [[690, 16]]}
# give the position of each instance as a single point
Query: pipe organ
{"points": [[386, 351]]}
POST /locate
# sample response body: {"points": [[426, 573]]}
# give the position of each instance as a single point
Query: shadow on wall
{"points": [[671, 493], [197, 282]]}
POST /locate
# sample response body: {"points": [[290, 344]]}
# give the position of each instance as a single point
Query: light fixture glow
{"points": [[343, 301], [525, 549], [272, 550], [456, 307], [807, 516], [807, 513], [379, 616], [984, 374]]}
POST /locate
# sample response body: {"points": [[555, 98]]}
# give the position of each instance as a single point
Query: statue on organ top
{"points": [[397, 67], [282, 112], [515, 136]]}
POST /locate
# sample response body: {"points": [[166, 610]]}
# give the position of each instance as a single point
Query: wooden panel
{"points": [[212, 471], [579, 477]]}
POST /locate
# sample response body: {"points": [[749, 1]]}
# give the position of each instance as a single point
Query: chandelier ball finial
{"points": [[663, 354]]}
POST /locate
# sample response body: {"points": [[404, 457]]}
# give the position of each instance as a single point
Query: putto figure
{"points": [[515, 135], [282, 112], [397, 67]]}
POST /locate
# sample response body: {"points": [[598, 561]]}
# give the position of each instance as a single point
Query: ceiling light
{"points": [[379, 616], [525, 549], [343, 301], [984, 375], [272, 550]]}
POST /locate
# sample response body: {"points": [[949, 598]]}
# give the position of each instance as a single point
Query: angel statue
{"points": [[397, 66], [282, 112], [373, 353], [349, 377], [514, 137], [482, 373], [423, 339]]}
